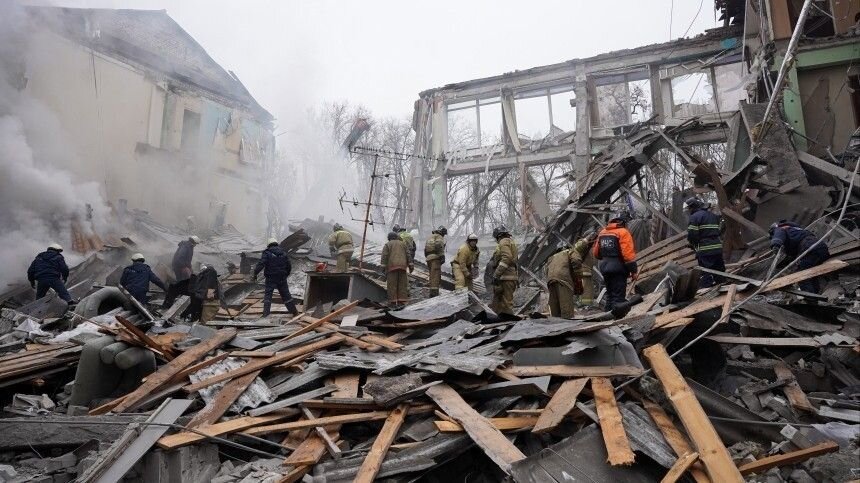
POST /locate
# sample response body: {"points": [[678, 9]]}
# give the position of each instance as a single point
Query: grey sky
{"points": [[381, 53]]}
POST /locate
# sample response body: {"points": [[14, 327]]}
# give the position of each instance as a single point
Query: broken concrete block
{"points": [[68, 460], [7, 472]]}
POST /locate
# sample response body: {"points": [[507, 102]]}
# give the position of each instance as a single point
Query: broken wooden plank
{"points": [[185, 438], [373, 461], [222, 401], [766, 341], [491, 440], [502, 424], [166, 352], [322, 421], [263, 363], [618, 448], [792, 390], [167, 371], [766, 463], [680, 467], [679, 443], [292, 400], [561, 403], [573, 371], [318, 322], [713, 453]]}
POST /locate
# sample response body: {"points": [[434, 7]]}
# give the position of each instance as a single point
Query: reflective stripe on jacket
{"points": [[703, 232]]}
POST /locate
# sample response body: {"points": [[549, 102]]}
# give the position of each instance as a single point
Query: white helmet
{"points": [[272, 241], [195, 239], [472, 237], [136, 257], [55, 246]]}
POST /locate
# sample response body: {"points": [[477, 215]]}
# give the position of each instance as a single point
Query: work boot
{"points": [[291, 306], [267, 308]]}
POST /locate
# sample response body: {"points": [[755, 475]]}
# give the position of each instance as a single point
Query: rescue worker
{"points": [[406, 236], [396, 260], [49, 270], [206, 295], [340, 246], [137, 277], [616, 257], [465, 264], [505, 273], [276, 267], [434, 254], [564, 277], [182, 258], [794, 240], [703, 234]]}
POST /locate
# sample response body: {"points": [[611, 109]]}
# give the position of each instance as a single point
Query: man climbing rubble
{"points": [[465, 264], [505, 273], [617, 258], [406, 236], [703, 234], [206, 296], [434, 254], [182, 272], [564, 276], [276, 267], [49, 270], [396, 260], [137, 277], [341, 248], [793, 240]]}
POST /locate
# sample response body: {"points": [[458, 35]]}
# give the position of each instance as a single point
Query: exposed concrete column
{"points": [[417, 178], [656, 92], [438, 185], [582, 138]]}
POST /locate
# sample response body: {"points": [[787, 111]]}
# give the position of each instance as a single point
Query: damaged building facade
{"points": [[148, 113], [702, 84]]}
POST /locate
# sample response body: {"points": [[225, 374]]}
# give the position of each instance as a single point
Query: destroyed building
{"points": [[148, 112], [749, 380]]}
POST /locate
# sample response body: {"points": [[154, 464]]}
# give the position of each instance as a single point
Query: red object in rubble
{"points": [[321, 267]]}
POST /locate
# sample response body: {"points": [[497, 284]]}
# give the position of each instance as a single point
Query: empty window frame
{"points": [[716, 88], [621, 99], [190, 131], [475, 123], [545, 111]]}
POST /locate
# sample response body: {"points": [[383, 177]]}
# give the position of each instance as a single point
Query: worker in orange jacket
{"points": [[617, 258]]}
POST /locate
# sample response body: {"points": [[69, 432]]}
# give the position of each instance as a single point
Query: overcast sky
{"points": [[293, 54]]}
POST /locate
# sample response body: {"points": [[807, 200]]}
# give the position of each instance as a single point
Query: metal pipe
{"points": [[787, 62], [367, 211]]}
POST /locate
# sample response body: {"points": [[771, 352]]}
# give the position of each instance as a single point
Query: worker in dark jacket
{"points": [[617, 258], [137, 277], [396, 260], [703, 233], [276, 267], [794, 240], [49, 270], [206, 294], [182, 258]]}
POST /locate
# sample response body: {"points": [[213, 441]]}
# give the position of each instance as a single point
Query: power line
{"points": [[385, 153]]}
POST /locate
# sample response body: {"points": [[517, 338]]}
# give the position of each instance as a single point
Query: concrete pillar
{"points": [[438, 189], [582, 138]]}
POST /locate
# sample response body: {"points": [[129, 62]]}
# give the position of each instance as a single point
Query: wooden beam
{"points": [[792, 390], [489, 439], [167, 371], [679, 443], [322, 421], [318, 322], [766, 341], [680, 467], [373, 461], [574, 371], [264, 363], [712, 451], [145, 339], [502, 424], [617, 445], [764, 464], [222, 401], [185, 438], [561, 403], [749, 225]]}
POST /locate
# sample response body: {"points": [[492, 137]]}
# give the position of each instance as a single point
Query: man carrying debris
{"points": [[276, 267], [340, 246], [407, 238], [434, 253], [794, 240], [49, 270], [137, 277], [182, 258], [465, 264], [505, 275], [564, 278], [703, 233], [396, 260], [206, 298], [617, 258]]}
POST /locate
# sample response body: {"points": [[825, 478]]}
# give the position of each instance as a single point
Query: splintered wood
{"points": [[562, 402], [617, 444], [373, 461]]}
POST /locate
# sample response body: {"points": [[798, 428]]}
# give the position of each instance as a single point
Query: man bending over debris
{"points": [[340, 246], [181, 266], [703, 233], [275, 264], [794, 240], [564, 277], [505, 275], [49, 270], [207, 296], [614, 248], [434, 253], [137, 277], [465, 264], [396, 260]]}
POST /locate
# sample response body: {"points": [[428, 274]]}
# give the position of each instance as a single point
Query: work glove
{"points": [[634, 276], [774, 249], [474, 272]]}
